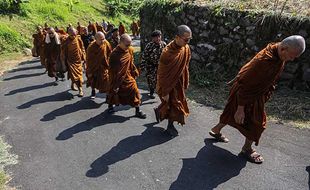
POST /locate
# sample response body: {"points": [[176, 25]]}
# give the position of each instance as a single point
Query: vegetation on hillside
{"points": [[18, 21]]}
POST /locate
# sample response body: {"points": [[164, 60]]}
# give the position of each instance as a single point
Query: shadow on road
{"points": [[26, 68], [97, 121], [61, 96], [23, 76], [127, 147], [211, 167], [83, 104], [308, 170], [29, 88]]}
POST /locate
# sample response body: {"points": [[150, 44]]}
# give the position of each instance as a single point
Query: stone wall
{"points": [[224, 40]]}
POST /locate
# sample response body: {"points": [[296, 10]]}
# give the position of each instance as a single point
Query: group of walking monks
{"points": [[110, 69]]}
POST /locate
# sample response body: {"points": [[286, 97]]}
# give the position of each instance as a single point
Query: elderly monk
{"points": [[52, 52], [121, 29], [92, 29], [97, 64], [38, 45], [173, 80], [251, 89], [73, 53], [150, 60], [123, 86], [114, 39]]}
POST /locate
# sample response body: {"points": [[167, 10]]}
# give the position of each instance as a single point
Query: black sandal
{"points": [[219, 137]]}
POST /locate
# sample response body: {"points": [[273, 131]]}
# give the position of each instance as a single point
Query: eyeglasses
{"points": [[186, 40]]}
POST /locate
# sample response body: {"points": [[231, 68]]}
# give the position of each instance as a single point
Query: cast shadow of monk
{"points": [[211, 167], [26, 68], [83, 104], [97, 121], [29, 88], [61, 96], [23, 76], [127, 147], [308, 170]]}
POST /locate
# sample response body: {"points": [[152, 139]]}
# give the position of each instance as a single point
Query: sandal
{"points": [[252, 156], [219, 137]]}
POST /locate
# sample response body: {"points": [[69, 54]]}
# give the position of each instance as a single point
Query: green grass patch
{"points": [[5, 159]]}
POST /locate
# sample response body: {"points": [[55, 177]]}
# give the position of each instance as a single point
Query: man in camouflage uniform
{"points": [[150, 58]]}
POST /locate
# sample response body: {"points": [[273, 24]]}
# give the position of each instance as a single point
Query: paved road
{"points": [[65, 142]]}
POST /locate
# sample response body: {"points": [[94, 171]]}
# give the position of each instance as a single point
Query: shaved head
{"points": [[99, 35], [295, 42], [182, 29], [72, 31], [125, 38]]}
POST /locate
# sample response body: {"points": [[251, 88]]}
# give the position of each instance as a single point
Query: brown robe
{"points": [[80, 29], [73, 53], [122, 75], [97, 66], [52, 54], [135, 29], [121, 29], [173, 79], [38, 44], [92, 29], [100, 29], [252, 88]]}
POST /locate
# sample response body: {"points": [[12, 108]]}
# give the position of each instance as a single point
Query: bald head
{"points": [[125, 41], [99, 37], [182, 29], [72, 31], [295, 42], [125, 38]]}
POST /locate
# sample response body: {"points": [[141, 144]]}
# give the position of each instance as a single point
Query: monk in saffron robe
{"points": [[173, 80], [123, 86], [134, 29], [97, 64], [251, 89], [92, 29], [121, 29], [73, 53], [100, 28], [52, 52], [38, 45], [79, 28]]}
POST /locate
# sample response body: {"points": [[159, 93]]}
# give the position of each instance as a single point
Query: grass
{"points": [[5, 159], [16, 30]]}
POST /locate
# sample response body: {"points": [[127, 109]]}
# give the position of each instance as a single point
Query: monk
{"points": [[52, 53], [173, 80], [121, 29], [251, 89], [73, 53], [92, 29], [79, 28], [97, 64], [123, 86], [45, 27], [134, 29], [99, 28], [38, 45], [114, 38]]}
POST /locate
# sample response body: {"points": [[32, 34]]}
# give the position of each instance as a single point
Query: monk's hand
{"points": [[116, 90], [166, 98], [239, 115]]}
